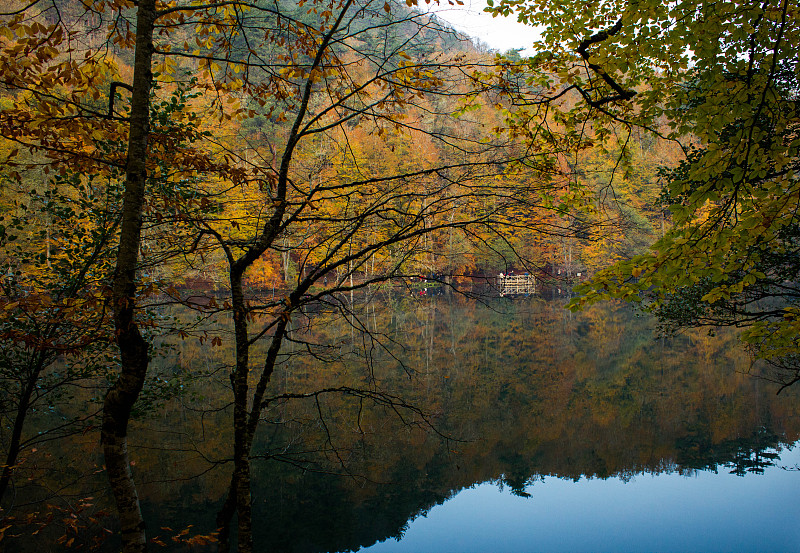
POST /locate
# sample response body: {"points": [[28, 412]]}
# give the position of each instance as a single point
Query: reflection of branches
{"points": [[784, 371], [381, 399], [401, 408], [373, 337]]}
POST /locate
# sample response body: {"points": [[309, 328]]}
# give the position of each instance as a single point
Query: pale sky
{"points": [[500, 33]]}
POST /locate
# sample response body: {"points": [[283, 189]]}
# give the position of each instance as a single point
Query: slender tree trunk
{"points": [[286, 258], [244, 518], [240, 483], [245, 421], [238, 500], [225, 516], [19, 421], [134, 350]]}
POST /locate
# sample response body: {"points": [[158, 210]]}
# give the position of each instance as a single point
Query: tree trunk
{"points": [[134, 350], [245, 422], [19, 421], [225, 516], [246, 415], [238, 499]]}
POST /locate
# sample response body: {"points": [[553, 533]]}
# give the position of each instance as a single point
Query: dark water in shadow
{"points": [[537, 430]]}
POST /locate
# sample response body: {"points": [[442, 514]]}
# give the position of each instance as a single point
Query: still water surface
{"points": [[544, 431], [571, 433], [706, 511]]}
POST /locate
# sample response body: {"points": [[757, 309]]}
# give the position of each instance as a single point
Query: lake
{"points": [[710, 511], [522, 427]]}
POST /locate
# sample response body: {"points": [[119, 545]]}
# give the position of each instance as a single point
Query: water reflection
{"points": [[521, 394], [657, 513], [526, 390]]}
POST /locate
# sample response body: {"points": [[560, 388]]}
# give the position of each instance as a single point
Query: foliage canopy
{"points": [[721, 79]]}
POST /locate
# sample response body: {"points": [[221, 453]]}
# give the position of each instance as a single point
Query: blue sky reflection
{"points": [[705, 512]]}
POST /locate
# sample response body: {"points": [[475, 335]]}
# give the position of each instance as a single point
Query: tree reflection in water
{"points": [[516, 390]]}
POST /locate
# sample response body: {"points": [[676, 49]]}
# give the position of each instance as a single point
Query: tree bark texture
{"points": [[240, 483], [134, 350]]}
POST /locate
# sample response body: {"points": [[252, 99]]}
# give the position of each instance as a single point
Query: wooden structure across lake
{"points": [[512, 285]]}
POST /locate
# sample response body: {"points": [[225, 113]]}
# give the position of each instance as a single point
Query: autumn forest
{"points": [[287, 225]]}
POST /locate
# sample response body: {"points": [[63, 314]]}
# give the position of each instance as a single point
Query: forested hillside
{"points": [[613, 184], [262, 163]]}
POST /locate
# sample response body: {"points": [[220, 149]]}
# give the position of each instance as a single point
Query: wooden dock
{"points": [[516, 285]]}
